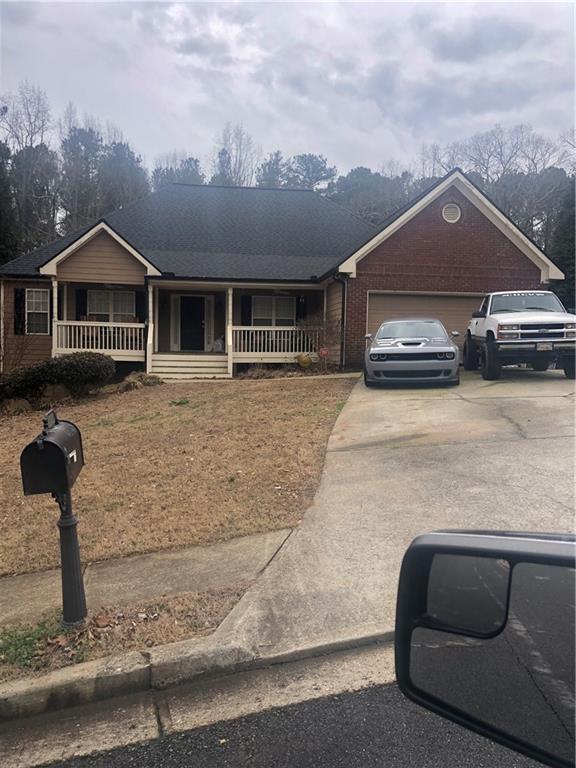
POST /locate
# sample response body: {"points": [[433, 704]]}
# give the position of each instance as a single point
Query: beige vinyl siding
{"points": [[453, 311], [334, 319], [102, 260], [22, 350]]}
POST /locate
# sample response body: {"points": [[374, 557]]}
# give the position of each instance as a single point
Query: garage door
{"points": [[453, 311]]}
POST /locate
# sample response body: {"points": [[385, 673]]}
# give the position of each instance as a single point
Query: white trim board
{"points": [[548, 270], [50, 267]]}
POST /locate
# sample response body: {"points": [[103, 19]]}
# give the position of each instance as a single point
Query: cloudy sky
{"points": [[363, 84]]}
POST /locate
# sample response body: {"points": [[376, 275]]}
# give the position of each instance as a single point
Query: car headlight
{"points": [[450, 355], [570, 326], [570, 334], [373, 357], [508, 331]]}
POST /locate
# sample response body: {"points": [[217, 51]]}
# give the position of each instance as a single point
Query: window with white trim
{"points": [[273, 310], [111, 306], [37, 311]]}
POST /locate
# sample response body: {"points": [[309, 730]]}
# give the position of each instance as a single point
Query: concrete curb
{"points": [[160, 668]]}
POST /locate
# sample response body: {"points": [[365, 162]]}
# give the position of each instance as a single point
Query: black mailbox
{"points": [[52, 462]]}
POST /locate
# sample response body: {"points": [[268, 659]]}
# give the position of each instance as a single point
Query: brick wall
{"points": [[428, 254]]}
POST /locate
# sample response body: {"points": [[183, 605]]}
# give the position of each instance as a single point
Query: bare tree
{"points": [[241, 155], [25, 120]]}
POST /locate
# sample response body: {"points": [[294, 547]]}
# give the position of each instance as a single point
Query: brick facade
{"points": [[427, 255]]}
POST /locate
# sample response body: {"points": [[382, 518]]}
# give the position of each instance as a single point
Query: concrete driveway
{"points": [[400, 462]]}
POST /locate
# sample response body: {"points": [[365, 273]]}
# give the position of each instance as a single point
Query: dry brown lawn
{"points": [[31, 651], [175, 465]]}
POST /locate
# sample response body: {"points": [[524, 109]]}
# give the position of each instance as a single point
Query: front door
{"points": [[192, 323]]}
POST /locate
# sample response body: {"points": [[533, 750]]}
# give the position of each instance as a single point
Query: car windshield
{"points": [[522, 302], [408, 329]]}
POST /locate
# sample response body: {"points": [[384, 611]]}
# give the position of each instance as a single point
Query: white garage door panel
{"points": [[453, 311]]}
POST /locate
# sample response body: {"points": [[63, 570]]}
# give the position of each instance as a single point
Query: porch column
{"points": [[149, 341], [54, 315], [229, 334]]}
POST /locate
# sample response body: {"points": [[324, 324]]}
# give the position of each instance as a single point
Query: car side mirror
{"points": [[455, 333], [369, 337], [478, 314], [485, 636]]}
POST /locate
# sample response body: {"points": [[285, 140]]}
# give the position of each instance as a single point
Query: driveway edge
{"points": [[160, 668]]}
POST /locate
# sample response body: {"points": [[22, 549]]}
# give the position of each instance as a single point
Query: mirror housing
{"points": [[369, 337], [477, 636], [478, 314], [454, 334]]}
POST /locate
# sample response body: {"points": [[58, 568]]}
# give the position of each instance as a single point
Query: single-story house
{"points": [[192, 280]]}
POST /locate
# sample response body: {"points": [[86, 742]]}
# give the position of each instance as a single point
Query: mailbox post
{"points": [[50, 464]]}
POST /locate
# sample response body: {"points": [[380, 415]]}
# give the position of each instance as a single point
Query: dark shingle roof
{"points": [[239, 233]]}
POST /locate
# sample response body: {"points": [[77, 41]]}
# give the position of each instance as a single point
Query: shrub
{"points": [[83, 371], [79, 372], [137, 380]]}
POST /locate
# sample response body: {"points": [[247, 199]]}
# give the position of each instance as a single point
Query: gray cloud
{"points": [[486, 36], [361, 83]]}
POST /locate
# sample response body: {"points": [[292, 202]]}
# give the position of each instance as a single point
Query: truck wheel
{"points": [[470, 355], [569, 367], [540, 365], [491, 367]]}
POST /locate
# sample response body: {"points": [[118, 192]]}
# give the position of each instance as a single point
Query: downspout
{"points": [[342, 279]]}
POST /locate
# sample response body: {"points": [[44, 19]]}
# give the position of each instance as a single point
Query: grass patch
{"points": [[181, 401], [44, 647], [22, 646]]}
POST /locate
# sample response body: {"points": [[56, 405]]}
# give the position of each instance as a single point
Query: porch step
{"points": [[190, 366]]}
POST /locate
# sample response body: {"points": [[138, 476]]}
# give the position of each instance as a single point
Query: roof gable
{"points": [[458, 180], [50, 266]]}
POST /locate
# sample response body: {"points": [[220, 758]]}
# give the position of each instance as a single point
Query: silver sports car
{"points": [[413, 349]]}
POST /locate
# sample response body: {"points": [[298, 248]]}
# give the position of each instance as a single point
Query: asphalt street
{"points": [[373, 727]]}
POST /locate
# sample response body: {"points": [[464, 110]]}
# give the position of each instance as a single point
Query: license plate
{"points": [[544, 347]]}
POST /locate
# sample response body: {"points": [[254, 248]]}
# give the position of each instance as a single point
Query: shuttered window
{"points": [[273, 310], [37, 311]]}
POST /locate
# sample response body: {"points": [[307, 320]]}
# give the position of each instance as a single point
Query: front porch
{"points": [[190, 331]]}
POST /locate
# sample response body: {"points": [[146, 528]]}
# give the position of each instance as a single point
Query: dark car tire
{"points": [[540, 365], [456, 382], [569, 366], [470, 355], [368, 382], [490, 368]]}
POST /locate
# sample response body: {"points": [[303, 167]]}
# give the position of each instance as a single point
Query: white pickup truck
{"points": [[515, 327]]}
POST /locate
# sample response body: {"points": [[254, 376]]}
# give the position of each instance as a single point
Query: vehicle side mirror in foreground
{"points": [[368, 337], [485, 636], [478, 314], [455, 333]]}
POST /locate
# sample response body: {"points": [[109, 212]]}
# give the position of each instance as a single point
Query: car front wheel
{"points": [[491, 368], [470, 356], [368, 382]]}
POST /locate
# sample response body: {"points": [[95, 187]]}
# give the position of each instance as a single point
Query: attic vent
{"points": [[451, 213]]}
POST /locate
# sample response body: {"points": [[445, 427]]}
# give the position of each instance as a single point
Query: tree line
{"points": [[59, 175]]}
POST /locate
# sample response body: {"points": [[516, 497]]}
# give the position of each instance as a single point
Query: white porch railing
{"points": [[273, 344], [122, 341]]}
